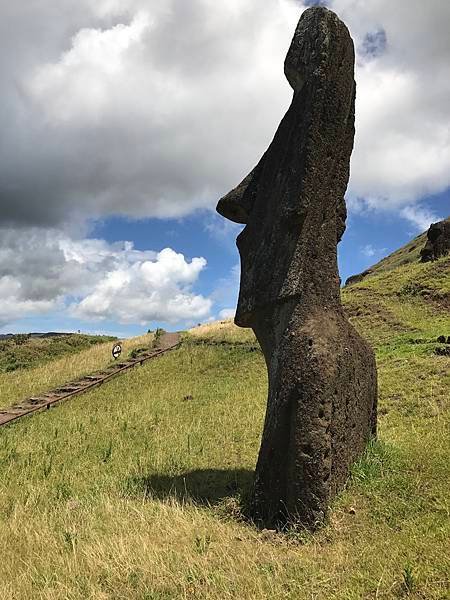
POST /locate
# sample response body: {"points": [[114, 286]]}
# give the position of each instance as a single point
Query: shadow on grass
{"points": [[207, 486]]}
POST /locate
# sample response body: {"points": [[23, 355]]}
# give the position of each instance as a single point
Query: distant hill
{"points": [[409, 253], [400, 295], [23, 351], [48, 334]]}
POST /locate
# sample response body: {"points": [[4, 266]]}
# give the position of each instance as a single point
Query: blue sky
{"points": [[121, 130], [370, 235]]}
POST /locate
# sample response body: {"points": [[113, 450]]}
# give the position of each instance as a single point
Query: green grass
{"points": [[135, 490], [410, 299], [138, 489]]}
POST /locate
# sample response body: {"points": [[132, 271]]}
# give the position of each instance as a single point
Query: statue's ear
{"points": [[238, 204]]}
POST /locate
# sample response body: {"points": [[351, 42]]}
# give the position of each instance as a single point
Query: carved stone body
{"points": [[321, 407]]}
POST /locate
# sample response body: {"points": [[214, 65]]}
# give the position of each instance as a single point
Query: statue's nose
{"points": [[231, 209], [237, 204]]}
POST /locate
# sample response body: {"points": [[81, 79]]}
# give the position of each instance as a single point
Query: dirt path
{"points": [[168, 341]]}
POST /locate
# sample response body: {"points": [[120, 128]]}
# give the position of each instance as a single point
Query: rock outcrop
{"points": [[358, 277], [321, 408], [438, 241]]}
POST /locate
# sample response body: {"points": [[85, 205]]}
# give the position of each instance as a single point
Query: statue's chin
{"points": [[243, 319]]}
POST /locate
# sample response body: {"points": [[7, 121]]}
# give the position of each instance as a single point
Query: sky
{"points": [[124, 121]]}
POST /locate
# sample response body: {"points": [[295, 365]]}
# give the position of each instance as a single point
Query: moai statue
{"points": [[321, 408]]}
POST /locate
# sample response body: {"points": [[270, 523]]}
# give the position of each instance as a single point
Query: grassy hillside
{"points": [[402, 304], [137, 489], [23, 352], [46, 374]]}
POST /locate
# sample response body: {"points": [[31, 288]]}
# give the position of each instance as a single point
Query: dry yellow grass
{"points": [[224, 330]]}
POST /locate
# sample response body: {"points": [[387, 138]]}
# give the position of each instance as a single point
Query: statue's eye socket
{"points": [[296, 76], [295, 70]]}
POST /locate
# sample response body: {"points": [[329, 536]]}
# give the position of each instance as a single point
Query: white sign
{"points": [[117, 350]]}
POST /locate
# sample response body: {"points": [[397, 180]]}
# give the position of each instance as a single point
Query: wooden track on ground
{"points": [[167, 342]]}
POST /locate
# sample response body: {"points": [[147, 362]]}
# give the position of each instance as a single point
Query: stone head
{"points": [[292, 203]]}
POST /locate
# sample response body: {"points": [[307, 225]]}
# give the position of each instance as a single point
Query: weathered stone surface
{"points": [[438, 242], [321, 406]]}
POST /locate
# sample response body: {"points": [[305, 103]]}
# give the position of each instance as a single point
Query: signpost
{"points": [[117, 350]]}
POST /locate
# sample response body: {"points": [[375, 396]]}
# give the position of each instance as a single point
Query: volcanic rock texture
{"points": [[321, 408], [438, 241]]}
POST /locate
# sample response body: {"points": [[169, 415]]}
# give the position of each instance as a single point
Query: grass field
{"points": [[137, 489]]}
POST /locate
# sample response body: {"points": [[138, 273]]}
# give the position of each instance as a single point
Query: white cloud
{"points": [[368, 250], [420, 217], [78, 86], [14, 306], [147, 109], [144, 291], [44, 270], [402, 143], [227, 313], [158, 108]]}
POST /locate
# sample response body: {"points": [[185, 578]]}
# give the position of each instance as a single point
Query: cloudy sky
{"points": [[123, 122]]}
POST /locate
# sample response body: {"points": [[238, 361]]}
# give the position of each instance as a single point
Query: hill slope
{"points": [[137, 490], [407, 254], [429, 245], [49, 365], [24, 351], [401, 300]]}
